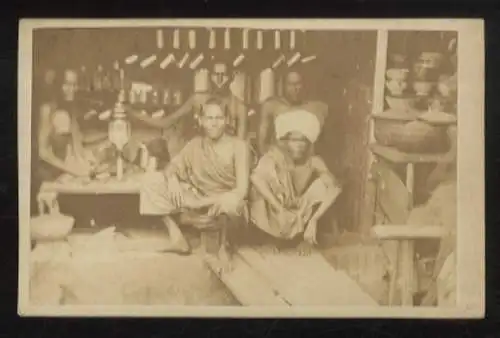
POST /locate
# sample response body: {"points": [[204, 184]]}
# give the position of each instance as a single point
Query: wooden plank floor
{"points": [[263, 277], [247, 286]]}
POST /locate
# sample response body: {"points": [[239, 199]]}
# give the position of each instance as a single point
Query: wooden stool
{"points": [[211, 240], [405, 237], [213, 234]]}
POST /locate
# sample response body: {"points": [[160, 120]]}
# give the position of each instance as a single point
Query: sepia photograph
{"points": [[251, 168]]}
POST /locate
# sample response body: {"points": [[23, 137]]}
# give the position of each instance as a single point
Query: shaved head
{"points": [[70, 83], [293, 86]]}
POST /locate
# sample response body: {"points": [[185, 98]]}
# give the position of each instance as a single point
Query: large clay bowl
{"points": [[408, 134], [51, 227], [400, 104]]}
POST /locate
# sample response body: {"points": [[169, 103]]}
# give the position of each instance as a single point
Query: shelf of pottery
{"points": [[419, 113]]}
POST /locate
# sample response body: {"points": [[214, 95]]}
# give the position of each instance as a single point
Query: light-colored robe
{"points": [[202, 173], [273, 168]]}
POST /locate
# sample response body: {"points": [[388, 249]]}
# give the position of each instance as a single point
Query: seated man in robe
{"points": [[209, 178], [292, 187]]}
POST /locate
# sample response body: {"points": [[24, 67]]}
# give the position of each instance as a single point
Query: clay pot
{"points": [[422, 88], [397, 59], [51, 227], [447, 85], [399, 74], [396, 87], [388, 124], [421, 137], [400, 104], [408, 134], [431, 59], [438, 118]]}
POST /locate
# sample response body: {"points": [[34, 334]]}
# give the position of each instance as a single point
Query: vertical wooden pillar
{"points": [[377, 102]]}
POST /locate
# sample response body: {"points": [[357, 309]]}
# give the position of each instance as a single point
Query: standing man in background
{"points": [[293, 99], [221, 77]]}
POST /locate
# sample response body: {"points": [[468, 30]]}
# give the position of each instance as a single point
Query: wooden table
{"points": [[129, 185], [76, 186]]}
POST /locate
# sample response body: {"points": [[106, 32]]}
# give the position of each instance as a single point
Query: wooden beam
{"points": [[407, 232]]}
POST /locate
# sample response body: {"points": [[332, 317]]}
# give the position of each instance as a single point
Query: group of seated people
{"points": [[283, 192]]}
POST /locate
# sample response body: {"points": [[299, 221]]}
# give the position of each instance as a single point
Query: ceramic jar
{"points": [[422, 88]]}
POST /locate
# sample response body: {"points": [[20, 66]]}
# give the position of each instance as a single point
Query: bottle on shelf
{"points": [[97, 79], [116, 77], [119, 133], [84, 80]]}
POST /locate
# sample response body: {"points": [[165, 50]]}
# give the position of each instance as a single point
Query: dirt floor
{"points": [[91, 270]]}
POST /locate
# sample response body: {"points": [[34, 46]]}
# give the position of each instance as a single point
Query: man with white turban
{"points": [[292, 188], [293, 98]]}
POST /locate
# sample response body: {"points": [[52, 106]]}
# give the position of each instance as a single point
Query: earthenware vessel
{"points": [[422, 88], [396, 87], [398, 74], [400, 104]]}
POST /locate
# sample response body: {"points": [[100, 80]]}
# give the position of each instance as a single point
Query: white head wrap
{"points": [[301, 121]]}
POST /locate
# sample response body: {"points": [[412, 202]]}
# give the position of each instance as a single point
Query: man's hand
{"points": [[310, 232], [228, 203], [80, 170], [175, 189], [287, 217]]}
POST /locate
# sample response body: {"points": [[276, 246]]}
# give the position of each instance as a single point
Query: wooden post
{"points": [[369, 205], [379, 77], [410, 181], [407, 269]]}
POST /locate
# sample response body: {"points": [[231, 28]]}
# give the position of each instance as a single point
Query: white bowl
{"points": [[51, 227], [400, 104], [397, 74]]}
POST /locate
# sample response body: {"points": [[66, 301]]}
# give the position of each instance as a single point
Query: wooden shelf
{"points": [[396, 156]]}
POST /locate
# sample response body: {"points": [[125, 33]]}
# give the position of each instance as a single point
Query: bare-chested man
{"points": [[293, 99], [60, 147], [221, 77], [207, 179]]}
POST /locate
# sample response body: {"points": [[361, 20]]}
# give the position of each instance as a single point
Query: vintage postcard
{"points": [[251, 168]]}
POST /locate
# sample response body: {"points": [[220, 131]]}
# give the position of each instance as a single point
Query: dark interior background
{"points": [[341, 76]]}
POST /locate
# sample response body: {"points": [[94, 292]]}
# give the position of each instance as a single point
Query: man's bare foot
{"points": [[178, 243], [224, 257], [305, 248], [179, 246]]}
